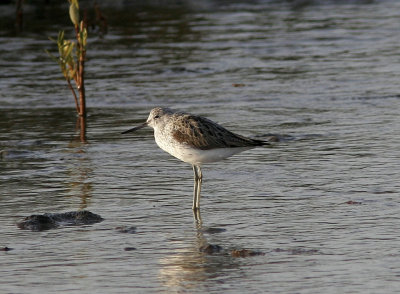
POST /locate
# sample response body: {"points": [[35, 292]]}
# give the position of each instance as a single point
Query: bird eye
{"points": [[157, 116]]}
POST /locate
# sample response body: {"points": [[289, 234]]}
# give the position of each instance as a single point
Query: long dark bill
{"points": [[135, 128]]}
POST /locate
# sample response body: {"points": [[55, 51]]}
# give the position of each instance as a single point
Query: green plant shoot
{"points": [[72, 57]]}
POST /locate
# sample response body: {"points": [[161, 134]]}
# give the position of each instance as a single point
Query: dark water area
{"points": [[316, 212]]}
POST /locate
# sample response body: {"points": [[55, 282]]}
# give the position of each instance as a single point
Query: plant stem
{"points": [[76, 98], [81, 87], [82, 128], [80, 82]]}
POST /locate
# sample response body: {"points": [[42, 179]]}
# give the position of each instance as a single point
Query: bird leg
{"points": [[199, 181], [198, 177], [194, 188]]}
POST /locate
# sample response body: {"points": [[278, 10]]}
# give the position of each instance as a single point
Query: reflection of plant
{"points": [[72, 57]]}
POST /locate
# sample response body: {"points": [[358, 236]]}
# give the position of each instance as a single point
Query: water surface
{"points": [[321, 204]]}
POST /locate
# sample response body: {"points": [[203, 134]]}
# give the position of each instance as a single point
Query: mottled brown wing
{"points": [[202, 133]]}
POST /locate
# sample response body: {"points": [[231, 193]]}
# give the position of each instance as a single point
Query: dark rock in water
{"points": [[129, 248], [298, 251], [47, 221], [213, 230], [302, 251], [128, 230], [75, 218], [5, 248], [245, 253], [210, 248], [37, 223], [351, 202]]}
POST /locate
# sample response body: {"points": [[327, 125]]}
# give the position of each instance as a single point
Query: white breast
{"points": [[196, 156]]}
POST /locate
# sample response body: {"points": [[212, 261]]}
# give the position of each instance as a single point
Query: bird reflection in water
{"points": [[189, 267]]}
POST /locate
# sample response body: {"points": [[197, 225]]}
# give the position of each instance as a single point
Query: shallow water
{"points": [[322, 204]]}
